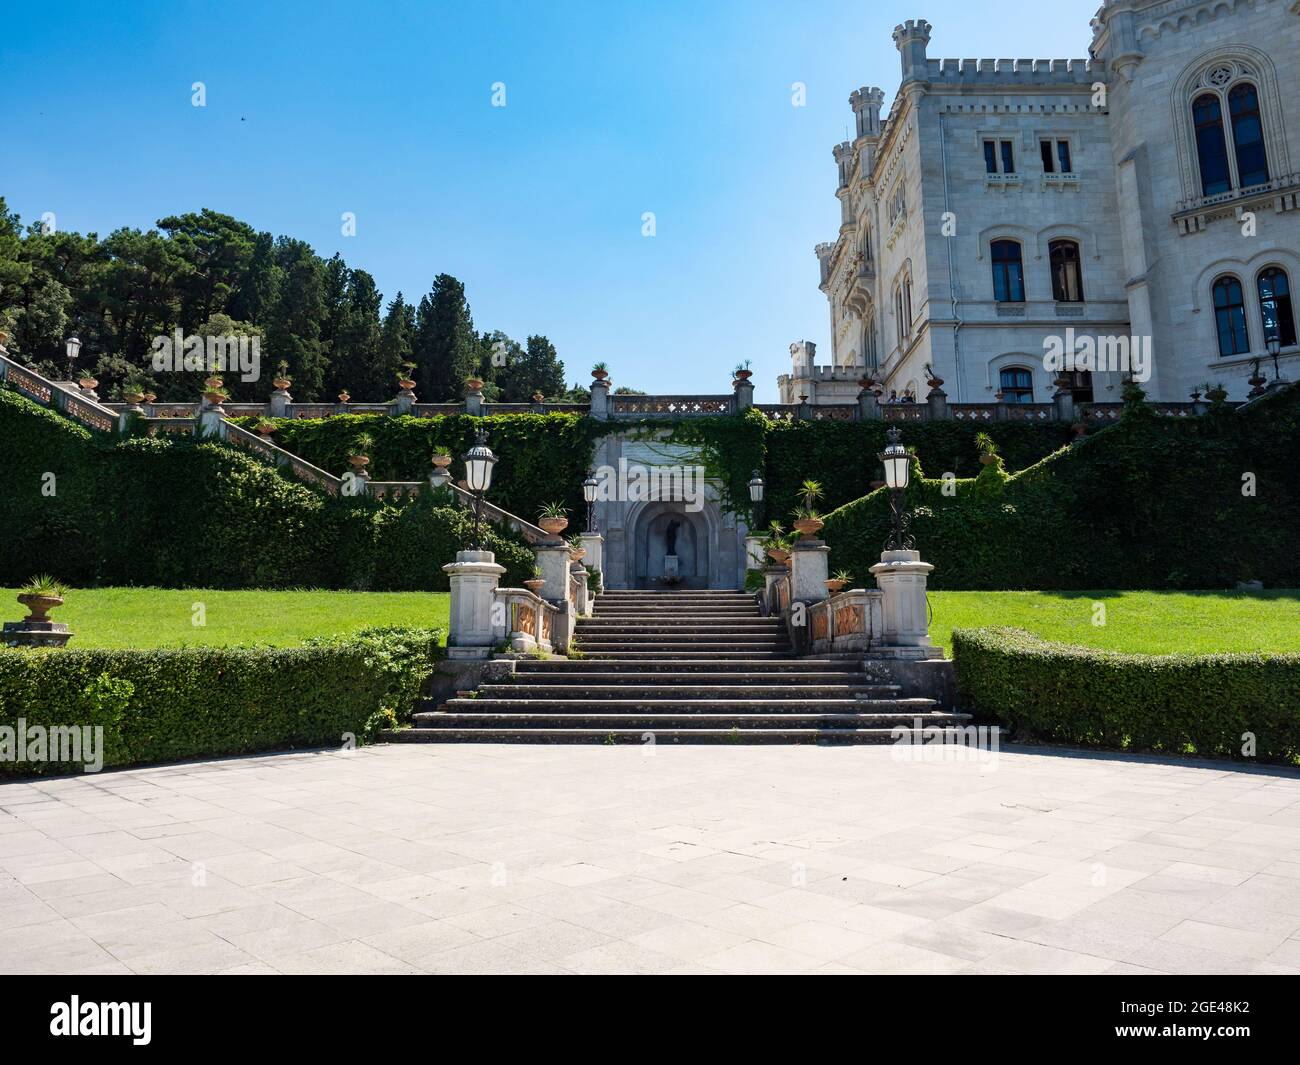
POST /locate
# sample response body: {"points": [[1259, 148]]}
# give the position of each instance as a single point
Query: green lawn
{"points": [[1147, 622], [159, 617]]}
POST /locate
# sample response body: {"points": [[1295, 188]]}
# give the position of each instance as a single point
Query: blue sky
{"points": [[613, 109]]}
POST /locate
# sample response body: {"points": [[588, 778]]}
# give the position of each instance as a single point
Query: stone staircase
{"points": [[683, 667]]}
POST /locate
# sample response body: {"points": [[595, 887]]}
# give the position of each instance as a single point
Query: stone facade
{"points": [[1087, 174]]}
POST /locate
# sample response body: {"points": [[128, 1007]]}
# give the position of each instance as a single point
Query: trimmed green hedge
{"points": [[1151, 502], [201, 702], [1207, 705], [176, 512]]}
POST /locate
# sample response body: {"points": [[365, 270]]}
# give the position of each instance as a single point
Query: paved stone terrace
{"points": [[467, 859]]}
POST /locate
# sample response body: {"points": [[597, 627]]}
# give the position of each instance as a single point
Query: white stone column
{"points": [[474, 576], [578, 570], [553, 561], [901, 578], [600, 400], [280, 400], [594, 544], [810, 566], [755, 557]]}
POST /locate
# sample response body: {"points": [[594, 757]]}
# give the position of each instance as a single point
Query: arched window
{"points": [[1230, 316], [907, 302], [1248, 135], [1067, 271], [1211, 145], [1275, 305], [1008, 272], [1016, 384]]}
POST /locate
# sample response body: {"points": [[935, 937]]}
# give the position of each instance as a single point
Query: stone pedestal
{"points": [[210, 419], [901, 578], [474, 401], [404, 402], [474, 576], [280, 400], [579, 571], [439, 476], [600, 400], [755, 557], [553, 561], [594, 544], [772, 577], [35, 634], [810, 566], [743, 398], [868, 406]]}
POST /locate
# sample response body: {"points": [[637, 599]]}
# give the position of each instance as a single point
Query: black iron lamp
{"points": [[589, 487], [479, 461], [898, 467], [72, 347], [756, 487], [1274, 345]]}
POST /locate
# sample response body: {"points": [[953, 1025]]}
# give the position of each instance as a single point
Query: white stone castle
{"points": [[1142, 196]]}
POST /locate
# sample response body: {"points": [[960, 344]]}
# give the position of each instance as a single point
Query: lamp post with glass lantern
{"points": [[479, 461], [589, 487], [1274, 345], [897, 465], [72, 347], [756, 488]]}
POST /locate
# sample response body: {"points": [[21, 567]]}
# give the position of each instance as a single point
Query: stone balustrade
{"points": [[849, 622]]}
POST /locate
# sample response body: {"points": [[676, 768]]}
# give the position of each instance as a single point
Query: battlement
{"points": [[1004, 72]]}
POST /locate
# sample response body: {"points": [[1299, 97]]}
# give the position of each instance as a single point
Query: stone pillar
{"points": [[600, 400], [553, 561], [1064, 401], [578, 570], [901, 578], [868, 406], [754, 554], [211, 417], [474, 577], [911, 39], [439, 476], [937, 400], [810, 566], [280, 400], [474, 401], [594, 544], [772, 576], [404, 401], [744, 395]]}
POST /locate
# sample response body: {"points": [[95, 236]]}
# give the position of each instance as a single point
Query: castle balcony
{"points": [[859, 294], [1282, 192]]}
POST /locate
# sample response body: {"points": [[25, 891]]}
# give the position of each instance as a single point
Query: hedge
{"points": [[177, 512], [1151, 502], [168, 704], [1209, 705]]}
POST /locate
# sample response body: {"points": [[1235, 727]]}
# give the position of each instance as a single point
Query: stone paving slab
{"points": [[535, 859]]}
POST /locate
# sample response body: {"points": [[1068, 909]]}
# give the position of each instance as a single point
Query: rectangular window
{"points": [[1008, 158], [1049, 160], [1063, 157], [990, 157]]}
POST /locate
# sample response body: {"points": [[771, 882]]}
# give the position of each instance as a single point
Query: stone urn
{"points": [[211, 384], [215, 398], [538, 397], [474, 384], [281, 384], [535, 585], [441, 462], [359, 462], [809, 527], [743, 375], [834, 586], [40, 606], [89, 384], [935, 382], [987, 458], [576, 554], [600, 375], [134, 398], [553, 526], [150, 397], [344, 396], [778, 554], [265, 428], [1217, 395], [406, 384]]}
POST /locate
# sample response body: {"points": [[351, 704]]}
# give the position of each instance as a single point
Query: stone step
{"points": [[597, 676], [448, 719], [681, 657], [817, 736], [666, 624], [685, 632], [659, 664], [681, 706], [658, 613], [649, 689]]}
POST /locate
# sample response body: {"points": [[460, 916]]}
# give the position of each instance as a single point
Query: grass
{"points": [[161, 617], [1143, 622]]}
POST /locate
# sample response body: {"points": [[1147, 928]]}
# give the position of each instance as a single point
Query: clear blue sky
{"points": [[613, 109]]}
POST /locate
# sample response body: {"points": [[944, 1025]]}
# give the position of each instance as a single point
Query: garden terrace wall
{"points": [[169, 704], [1209, 705]]}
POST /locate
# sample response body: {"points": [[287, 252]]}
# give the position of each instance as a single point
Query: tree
{"points": [[294, 324], [445, 348], [396, 341]]}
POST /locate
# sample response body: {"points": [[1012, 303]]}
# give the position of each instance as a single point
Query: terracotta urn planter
{"points": [[778, 554], [266, 429], [535, 585], [809, 527], [134, 398], [1196, 397], [744, 375], [149, 397], [359, 462], [406, 384], [600, 375], [441, 461], [1216, 395], [281, 383], [88, 383], [474, 384], [344, 396], [577, 554], [211, 384], [834, 586], [215, 398], [988, 458], [553, 526], [538, 397], [935, 382], [39, 605]]}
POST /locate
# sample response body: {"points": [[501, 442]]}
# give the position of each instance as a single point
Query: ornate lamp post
{"points": [[756, 487], [1274, 345], [72, 346], [898, 466], [479, 461], [589, 487]]}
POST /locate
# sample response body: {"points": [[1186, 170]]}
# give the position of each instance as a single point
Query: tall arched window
{"points": [[1275, 305], [1230, 316], [1067, 271], [1008, 272], [1211, 145], [1247, 135], [1016, 384]]}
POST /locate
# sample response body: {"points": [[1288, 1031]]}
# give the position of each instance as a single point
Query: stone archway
{"points": [[654, 527]]}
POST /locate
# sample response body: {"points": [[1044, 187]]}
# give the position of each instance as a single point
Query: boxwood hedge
{"points": [[1228, 705], [168, 704]]}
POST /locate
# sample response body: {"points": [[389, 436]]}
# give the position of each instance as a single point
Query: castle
{"points": [[1145, 193]]}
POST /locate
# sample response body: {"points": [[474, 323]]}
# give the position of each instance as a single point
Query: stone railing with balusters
{"points": [[74, 402], [848, 621], [529, 620]]}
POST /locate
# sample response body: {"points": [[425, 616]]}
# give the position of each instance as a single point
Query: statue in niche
{"points": [[670, 536]]}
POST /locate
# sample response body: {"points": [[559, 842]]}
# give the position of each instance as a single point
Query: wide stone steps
{"points": [[729, 707], [657, 721], [762, 664], [696, 680], [644, 688], [830, 736]]}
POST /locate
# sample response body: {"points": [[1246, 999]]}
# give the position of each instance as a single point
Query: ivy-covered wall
{"points": [[177, 513], [1150, 502]]}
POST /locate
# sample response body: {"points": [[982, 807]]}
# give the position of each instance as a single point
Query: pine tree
{"points": [[445, 347]]}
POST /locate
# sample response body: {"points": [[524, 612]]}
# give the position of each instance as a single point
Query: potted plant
{"points": [[553, 518], [150, 397], [838, 580], [807, 520], [282, 380], [536, 582], [1216, 393], [441, 460], [214, 391], [776, 543], [576, 550], [264, 426], [345, 396], [988, 448], [474, 383], [406, 377], [742, 372], [88, 382], [600, 371], [931, 378], [40, 595], [360, 446]]}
